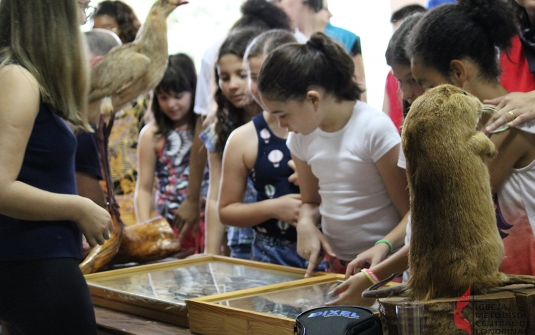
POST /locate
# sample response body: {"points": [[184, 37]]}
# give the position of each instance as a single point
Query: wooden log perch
{"points": [[511, 311]]}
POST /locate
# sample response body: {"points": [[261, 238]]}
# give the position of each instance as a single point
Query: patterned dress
{"points": [[172, 173]]}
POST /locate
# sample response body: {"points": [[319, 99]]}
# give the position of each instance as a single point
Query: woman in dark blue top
{"points": [[43, 89]]}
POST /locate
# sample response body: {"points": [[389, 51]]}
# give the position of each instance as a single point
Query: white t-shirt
{"points": [[206, 85], [300, 37], [402, 163], [516, 219], [355, 206]]}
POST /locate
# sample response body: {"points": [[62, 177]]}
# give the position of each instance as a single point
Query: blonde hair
{"points": [[44, 37]]}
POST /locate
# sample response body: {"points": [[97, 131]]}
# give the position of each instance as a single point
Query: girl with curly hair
{"points": [[234, 109], [117, 17]]}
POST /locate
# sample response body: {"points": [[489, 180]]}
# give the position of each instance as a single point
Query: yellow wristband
{"points": [[390, 246], [368, 276]]}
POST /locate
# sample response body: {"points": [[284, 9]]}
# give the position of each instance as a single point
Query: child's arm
{"points": [[188, 214], [515, 150], [377, 253], [350, 291], [395, 180], [311, 244], [238, 159], [215, 230], [146, 162]]}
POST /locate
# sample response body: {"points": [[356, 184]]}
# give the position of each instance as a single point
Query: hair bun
{"points": [[495, 16], [316, 44]]}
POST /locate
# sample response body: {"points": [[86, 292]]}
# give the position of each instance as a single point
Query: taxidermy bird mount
{"points": [[455, 243], [132, 69], [126, 72]]}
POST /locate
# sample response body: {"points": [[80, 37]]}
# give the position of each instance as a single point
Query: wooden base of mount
{"points": [[511, 311]]}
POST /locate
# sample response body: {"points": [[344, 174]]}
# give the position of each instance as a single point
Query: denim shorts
{"points": [[274, 250], [241, 251]]}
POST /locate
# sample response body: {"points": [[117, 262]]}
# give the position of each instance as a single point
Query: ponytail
{"points": [[290, 70], [471, 29], [495, 17]]}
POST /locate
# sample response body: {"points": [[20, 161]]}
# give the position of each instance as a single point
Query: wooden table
{"points": [[119, 323]]}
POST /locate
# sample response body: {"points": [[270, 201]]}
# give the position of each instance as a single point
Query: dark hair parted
{"points": [[290, 70], [268, 41], [406, 11], [228, 117], [470, 30], [263, 15], [395, 53], [124, 16], [180, 76]]}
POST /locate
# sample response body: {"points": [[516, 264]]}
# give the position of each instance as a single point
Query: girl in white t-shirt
{"points": [[345, 152]]}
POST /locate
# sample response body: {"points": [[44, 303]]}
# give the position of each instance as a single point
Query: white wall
{"points": [[370, 19]]}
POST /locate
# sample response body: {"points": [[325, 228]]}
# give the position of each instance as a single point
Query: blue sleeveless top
{"points": [[48, 165], [270, 177]]}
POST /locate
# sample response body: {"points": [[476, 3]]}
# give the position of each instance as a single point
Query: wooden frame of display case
{"points": [[210, 315], [124, 291]]}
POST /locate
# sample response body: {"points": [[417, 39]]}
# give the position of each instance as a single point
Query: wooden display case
{"points": [[159, 291], [260, 311]]}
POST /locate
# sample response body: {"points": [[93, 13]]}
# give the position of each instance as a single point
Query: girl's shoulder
{"points": [[18, 87], [366, 109], [243, 138], [244, 132], [13, 74], [149, 128], [373, 118], [148, 133]]}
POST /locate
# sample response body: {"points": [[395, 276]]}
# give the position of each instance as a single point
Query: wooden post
{"points": [[509, 312]]}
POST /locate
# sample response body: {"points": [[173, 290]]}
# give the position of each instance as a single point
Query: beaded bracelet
{"points": [[370, 275], [390, 246]]}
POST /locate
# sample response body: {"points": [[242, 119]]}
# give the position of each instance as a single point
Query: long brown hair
{"points": [[44, 37], [229, 117]]}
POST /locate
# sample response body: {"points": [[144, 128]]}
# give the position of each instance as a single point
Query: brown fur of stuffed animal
{"points": [[455, 243]]}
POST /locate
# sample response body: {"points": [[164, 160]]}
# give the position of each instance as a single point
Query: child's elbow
{"points": [[223, 215]]}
